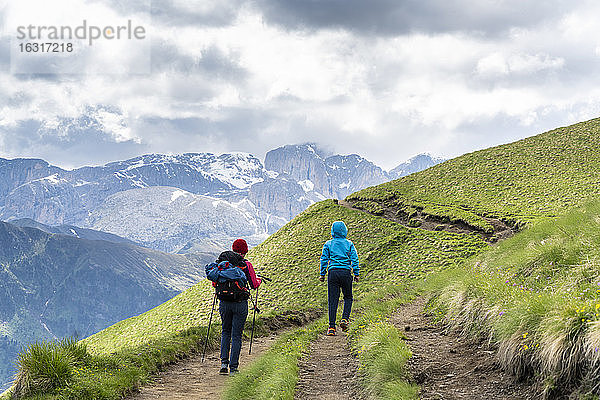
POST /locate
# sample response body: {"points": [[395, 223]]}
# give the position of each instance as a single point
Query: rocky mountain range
{"points": [[132, 198]]}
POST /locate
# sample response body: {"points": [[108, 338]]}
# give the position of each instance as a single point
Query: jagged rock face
{"points": [[49, 200], [279, 196], [301, 163], [349, 174], [14, 173], [415, 164], [334, 176]]}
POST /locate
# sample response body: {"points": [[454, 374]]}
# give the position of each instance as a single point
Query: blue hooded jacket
{"points": [[339, 252]]}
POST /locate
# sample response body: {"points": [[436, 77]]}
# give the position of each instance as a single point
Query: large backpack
{"points": [[229, 281], [231, 291]]}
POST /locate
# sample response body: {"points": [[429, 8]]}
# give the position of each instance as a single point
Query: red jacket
{"points": [[253, 280]]}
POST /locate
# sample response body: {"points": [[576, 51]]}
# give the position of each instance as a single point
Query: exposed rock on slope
{"points": [[168, 219], [334, 176]]}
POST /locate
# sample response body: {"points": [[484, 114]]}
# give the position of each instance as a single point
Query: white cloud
{"points": [[497, 64], [248, 84]]}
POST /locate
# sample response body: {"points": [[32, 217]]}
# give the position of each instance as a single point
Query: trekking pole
{"points": [[253, 320], [209, 322], [264, 278]]}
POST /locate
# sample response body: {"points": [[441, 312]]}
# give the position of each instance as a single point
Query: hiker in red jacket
{"points": [[233, 311]]}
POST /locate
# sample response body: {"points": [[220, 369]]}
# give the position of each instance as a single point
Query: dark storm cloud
{"points": [[395, 17]]}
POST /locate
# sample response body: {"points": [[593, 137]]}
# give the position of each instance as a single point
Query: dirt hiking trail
{"points": [[192, 379], [328, 371], [447, 366]]}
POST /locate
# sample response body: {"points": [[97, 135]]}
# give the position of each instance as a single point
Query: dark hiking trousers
{"points": [[337, 279], [233, 317]]}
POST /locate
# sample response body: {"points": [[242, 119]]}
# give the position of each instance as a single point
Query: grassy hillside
{"points": [[537, 297], [540, 176]]}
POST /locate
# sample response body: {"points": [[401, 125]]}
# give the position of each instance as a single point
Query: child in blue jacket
{"points": [[340, 260]]}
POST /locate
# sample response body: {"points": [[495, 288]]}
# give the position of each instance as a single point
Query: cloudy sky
{"points": [[386, 79]]}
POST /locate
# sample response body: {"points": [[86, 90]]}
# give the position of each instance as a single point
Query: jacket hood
{"points": [[339, 229]]}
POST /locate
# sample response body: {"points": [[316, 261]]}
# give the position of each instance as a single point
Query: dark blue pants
{"points": [[233, 317], [337, 279]]}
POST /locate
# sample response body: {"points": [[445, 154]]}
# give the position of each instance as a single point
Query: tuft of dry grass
{"points": [[536, 297]]}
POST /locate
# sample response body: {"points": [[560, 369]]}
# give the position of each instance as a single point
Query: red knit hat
{"points": [[240, 246]]}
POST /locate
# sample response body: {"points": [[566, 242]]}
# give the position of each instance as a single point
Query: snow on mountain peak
{"points": [[52, 179], [307, 185], [241, 170], [177, 194], [238, 170]]}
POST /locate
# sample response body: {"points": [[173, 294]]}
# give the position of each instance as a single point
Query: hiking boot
{"points": [[223, 370], [344, 324], [331, 332], [233, 371]]}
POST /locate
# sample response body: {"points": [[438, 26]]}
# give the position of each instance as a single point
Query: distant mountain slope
{"points": [[56, 285], [415, 164], [71, 230], [170, 219], [66, 197], [540, 176]]}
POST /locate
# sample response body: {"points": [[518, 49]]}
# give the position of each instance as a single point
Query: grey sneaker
{"points": [[233, 371], [223, 370]]}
